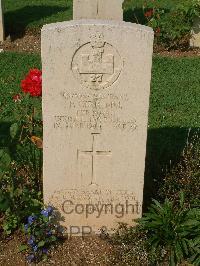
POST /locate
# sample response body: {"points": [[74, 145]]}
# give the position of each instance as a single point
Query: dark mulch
{"points": [[31, 42], [74, 251], [179, 53]]}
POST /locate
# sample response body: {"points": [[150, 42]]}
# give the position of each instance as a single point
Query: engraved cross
{"points": [[93, 153]]}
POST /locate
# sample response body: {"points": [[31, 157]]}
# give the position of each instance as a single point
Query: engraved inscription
{"points": [[93, 153], [69, 122], [94, 112], [96, 64]]}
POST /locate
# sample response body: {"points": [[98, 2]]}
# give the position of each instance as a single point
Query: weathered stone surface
{"points": [[195, 39], [1, 21], [98, 9], [96, 84]]}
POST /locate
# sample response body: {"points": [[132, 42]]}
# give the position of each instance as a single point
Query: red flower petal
{"points": [[32, 84]]}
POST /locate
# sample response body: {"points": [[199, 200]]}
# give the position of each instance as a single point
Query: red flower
{"points": [[33, 83], [16, 98], [149, 13], [157, 31]]}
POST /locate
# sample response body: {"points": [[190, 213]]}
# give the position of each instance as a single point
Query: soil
{"points": [[179, 53], [74, 251], [30, 42]]}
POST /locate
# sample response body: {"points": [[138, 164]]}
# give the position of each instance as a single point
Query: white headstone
{"points": [[195, 38], [1, 21], [98, 9], [96, 85]]}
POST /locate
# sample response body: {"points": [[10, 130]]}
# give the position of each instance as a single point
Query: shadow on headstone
{"points": [[164, 149], [17, 21]]}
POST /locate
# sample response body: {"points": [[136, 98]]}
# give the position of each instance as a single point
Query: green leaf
{"points": [[191, 223], [41, 244], [172, 260], [5, 159], [53, 238], [36, 202], [44, 257], [4, 204], [13, 130], [23, 247], [184, 245], [178, 251]]}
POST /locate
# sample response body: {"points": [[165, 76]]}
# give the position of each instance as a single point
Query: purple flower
{"points": [[49, 210], [26, 227], [31, 219], [49, 233], [44, 250], [45, 213], [30, 258], [35, 248], [31, 240]]}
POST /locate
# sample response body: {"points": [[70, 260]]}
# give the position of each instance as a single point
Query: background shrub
{"points": [[172, 24]]}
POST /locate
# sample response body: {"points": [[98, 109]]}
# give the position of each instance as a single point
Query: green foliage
{"points": [[168, 234], [41, 232], [162, 3], [5, 161], [177, 230], [20, 182], [11, 222], [20, 158], [172, 22], [19, 196], [14, 130], [173, 27]]}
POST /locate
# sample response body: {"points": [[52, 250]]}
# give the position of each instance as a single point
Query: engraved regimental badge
{"points": [[96, 64]]}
